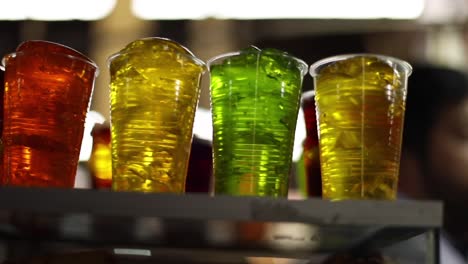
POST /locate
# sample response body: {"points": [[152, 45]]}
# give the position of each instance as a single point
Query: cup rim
{"points": [[73, 51], [189, 54], [197, 61], [87, 60], [318, 65], [303, 67]]}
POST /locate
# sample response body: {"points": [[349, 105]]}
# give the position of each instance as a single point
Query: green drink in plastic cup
{"points": [[255, 96]]}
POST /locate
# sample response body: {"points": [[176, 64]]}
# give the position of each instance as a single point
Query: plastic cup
{"points": [[255, 100], [360, 108], [155, 86], [47, 92]]}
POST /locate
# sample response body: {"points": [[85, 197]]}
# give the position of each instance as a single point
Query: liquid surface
{"points": [[46, 100], [255, 99], [154, 95], [360, 106]]}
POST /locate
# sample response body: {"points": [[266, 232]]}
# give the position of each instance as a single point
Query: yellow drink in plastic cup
{"points": [[360, 110], [155, 86]]}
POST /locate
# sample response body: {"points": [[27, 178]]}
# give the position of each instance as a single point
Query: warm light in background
{"points": [[51, 10], [294, 9], [174, 9], [443, 11], [428, 11], [202, 126]]}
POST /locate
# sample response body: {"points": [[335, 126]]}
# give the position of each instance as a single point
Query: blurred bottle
{"points": [[200, 168], [313, 179], [100, 162], [2, 89]]}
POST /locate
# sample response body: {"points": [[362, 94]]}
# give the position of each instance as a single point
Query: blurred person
{"points": [[434, 161]]}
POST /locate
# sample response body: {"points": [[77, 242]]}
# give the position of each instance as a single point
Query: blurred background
{"points": [[432, 31], [415, 30]]}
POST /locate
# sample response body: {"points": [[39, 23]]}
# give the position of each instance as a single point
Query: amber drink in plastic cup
{"points": [[47, 92], [155, 86], [360, 108]]}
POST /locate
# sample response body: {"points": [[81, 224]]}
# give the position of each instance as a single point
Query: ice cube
{"points": [[348, 140], [247, 57], [137, 170], [374, 70], [382, 73], [278, 65], [44, 47], [152, 45], [350, 68]]}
